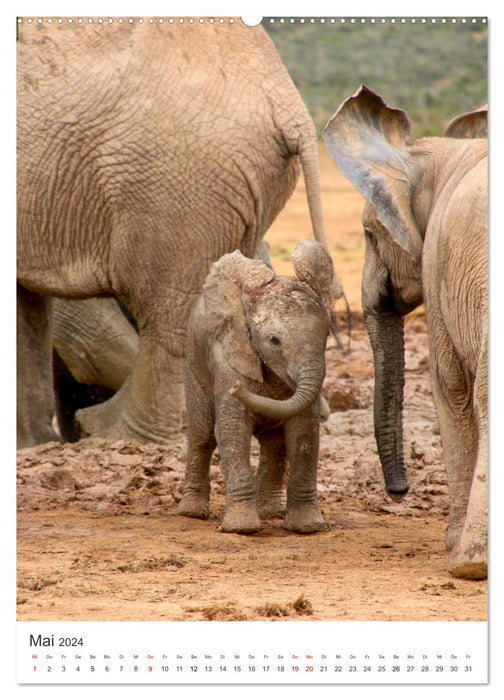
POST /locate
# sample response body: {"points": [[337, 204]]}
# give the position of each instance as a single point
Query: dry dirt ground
{"points": [[99, 538]]}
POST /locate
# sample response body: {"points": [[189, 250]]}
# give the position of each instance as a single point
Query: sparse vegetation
{"points": [[300, 606], [152, 564], [432, 71], [273, 610], [227, 612], [36, 583]]}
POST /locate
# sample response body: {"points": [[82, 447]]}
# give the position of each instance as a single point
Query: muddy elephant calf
{"points": [[255, 366]]}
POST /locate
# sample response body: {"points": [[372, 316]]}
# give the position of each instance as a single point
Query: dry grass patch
{"points": [[273, 610], [152, 564], [226, 612], [36, 583], [300, 606]]}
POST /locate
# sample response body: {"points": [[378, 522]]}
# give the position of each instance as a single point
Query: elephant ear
{"points": [[224, 312], [313, 266], [367, 140], [471, 125]]}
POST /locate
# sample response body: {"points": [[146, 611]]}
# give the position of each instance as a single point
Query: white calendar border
{"points": [[258, 8], [367, 9]]}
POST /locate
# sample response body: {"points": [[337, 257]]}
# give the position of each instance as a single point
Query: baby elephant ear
{"points": [[471, 125], [256, 274], [225, 316], [313, 265]]}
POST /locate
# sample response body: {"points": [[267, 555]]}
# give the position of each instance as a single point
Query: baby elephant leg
{"points": [[234, 432], [302, 440], [200, 446], [270, 475]]}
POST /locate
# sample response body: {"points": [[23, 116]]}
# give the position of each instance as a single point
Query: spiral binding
{"points": [[273, 20]]}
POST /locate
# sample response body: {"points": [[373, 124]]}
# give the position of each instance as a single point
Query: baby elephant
{"points": [[255, 366]]}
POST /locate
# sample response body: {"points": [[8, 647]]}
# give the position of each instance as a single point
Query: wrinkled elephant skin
{"points": [[145, 153], [425, 225]]}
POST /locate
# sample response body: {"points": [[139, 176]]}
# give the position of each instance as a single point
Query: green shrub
{"points": [[432, 71]]}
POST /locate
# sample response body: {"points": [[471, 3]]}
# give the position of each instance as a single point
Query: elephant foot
{"points": [[110, 420], [469, 565], [193, 505], [241, 518], [42, 435], [272, 506], [452, 535], [306, 520], [468, 557], [100, 419]]}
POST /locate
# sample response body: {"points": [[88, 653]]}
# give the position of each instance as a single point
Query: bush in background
{"points": [[432, 71]]}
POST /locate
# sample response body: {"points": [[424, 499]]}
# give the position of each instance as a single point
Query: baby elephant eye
{"points": [[274, 340]]}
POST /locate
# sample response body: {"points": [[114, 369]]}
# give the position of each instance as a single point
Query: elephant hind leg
{"points": [[148, 406], [460, 443], [71, 396], [101, 418], [463, 435], [35, 396], [468, 558]]}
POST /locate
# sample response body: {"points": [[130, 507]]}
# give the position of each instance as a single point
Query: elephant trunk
{"points": [[386, 333], [307, 392]]}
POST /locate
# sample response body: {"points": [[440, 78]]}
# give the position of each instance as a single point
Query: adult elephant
{"points": [[145, 152], [425, 226]]}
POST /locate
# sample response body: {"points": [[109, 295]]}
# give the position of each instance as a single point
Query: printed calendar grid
{"points": [[320, 652]]}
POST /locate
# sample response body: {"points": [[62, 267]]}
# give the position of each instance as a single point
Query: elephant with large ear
{"points": [[255, 366], [425, 225], [145, 152]]}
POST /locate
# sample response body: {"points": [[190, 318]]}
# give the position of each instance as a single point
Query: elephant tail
{"points": [[308, 155]]}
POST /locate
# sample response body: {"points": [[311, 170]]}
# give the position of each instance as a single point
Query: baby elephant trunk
{"points": [[307, 392]]}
